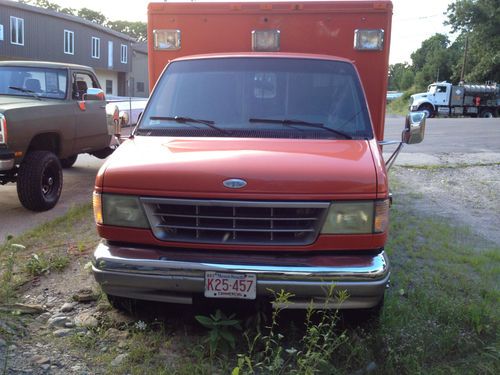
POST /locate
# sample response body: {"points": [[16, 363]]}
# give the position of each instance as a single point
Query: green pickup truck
{"points": [[49, 113]]}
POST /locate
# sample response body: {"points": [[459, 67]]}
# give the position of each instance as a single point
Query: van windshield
{"points": [[258, 97]]}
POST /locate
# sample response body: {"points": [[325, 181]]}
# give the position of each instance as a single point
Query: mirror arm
{"points": [[389, 162]]}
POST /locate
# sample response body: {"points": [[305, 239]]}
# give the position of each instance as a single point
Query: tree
{"points": [[433, 61], [137, 30], [92, 16], [479, 20], [401, 77]]}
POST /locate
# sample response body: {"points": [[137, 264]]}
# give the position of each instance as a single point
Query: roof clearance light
{"points": [[369, 40], [167, 39], [265, 40]]}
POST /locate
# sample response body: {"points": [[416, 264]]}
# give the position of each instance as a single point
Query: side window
{"points": [[82, 82], [441, 89]]}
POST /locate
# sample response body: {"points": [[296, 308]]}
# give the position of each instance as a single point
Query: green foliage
{"points": [[480, 21], [40, 264], [401, 77], [136, 30], [222, 330], [92, 16]]}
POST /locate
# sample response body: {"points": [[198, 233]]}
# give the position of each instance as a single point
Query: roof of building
{"points": [[141, 47], [52, 13]]}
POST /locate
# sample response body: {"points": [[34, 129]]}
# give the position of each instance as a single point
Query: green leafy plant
{"points": [[222, 330]]}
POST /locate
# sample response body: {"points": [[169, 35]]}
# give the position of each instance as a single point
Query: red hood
{"points": [[197, 167]]}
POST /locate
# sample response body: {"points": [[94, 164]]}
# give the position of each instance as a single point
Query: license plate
{"points": [[230, 285]]}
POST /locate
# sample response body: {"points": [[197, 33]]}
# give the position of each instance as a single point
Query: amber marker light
{"points": [[97, 203], [381, 216]]}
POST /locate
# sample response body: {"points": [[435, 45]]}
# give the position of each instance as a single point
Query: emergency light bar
{"points": [[369, 40], [167, 39], [265, 40]]}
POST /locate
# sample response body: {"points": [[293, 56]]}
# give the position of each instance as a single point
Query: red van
{"points": [[257, 164]]}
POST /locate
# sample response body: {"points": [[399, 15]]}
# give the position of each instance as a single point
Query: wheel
{"points": [[487, 113], [427, 109], [69, 161], [39, 181]]}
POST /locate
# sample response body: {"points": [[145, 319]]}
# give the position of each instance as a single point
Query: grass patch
{"points": [[398, 106], [440, 314], [449, 166], [48, 248]]}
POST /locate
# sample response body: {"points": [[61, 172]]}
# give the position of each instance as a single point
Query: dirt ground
{"points": [[463, 190]]}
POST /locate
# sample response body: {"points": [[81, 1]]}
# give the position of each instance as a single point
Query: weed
{"points": [[222, 331]]}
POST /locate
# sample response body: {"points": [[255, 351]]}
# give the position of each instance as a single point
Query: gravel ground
{"points": [[462, 189]]}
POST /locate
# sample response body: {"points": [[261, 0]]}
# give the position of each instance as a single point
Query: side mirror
{"points": [[94, 94], [414, 128]]}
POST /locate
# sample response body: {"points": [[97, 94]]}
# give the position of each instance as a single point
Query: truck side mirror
{"points": [[414, 128], [94, 94]]}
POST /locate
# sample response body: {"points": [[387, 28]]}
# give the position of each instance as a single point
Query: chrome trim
{"points": [[7, 165], [213, 221], [171, 278]]}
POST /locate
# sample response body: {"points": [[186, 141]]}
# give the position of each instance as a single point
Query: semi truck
{"points": [[257, 164], [446, 99]]}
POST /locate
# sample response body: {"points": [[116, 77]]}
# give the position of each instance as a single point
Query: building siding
{"points": [[44, 40]]}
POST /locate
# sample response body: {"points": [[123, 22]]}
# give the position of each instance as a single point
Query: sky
{"points": [[413, 20]]}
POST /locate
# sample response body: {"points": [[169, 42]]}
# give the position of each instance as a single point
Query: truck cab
{"points": [[258, 169]]}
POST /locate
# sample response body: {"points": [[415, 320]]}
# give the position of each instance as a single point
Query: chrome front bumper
{"points": [[175, 276]]}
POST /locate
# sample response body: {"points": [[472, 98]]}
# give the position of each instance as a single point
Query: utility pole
{"points": [[465, 57]]}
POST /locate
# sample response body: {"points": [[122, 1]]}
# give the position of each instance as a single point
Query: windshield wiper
{"points": [[289, 122], [32, 93], [184, 120]]}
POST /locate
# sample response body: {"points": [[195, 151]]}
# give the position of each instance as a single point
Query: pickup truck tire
{"points": [[39, 181], [69, 161]]}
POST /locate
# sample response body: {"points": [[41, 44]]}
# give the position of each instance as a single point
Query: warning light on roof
{"points": [[265, 40], [369, 40], [167, 39]]}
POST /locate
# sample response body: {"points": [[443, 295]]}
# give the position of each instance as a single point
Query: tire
{"points": [[69, 161], [427, 109], [487, 113], [39, 181]]}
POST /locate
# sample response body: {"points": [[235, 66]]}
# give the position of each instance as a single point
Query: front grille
{"points": [[235, 222]]}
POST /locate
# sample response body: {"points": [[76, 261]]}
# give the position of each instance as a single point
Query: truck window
{"points": [[24, 81], [234, 93]]}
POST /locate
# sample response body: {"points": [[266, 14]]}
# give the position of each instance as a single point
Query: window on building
{"points": [[96, 48], [110, 54], [109, 87], [124, 54], [140, 86], [17, 31], [69, 42]]}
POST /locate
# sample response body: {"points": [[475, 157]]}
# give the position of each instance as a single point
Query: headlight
{"points": [[356, 217], [119, 210], [3, 129]]}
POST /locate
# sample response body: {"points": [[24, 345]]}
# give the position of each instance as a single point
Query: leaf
{"points": [[205, 321], [229, 337]]}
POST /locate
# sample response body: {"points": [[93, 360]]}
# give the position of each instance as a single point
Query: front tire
{"points": [[39, 181], [427, 109]]}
